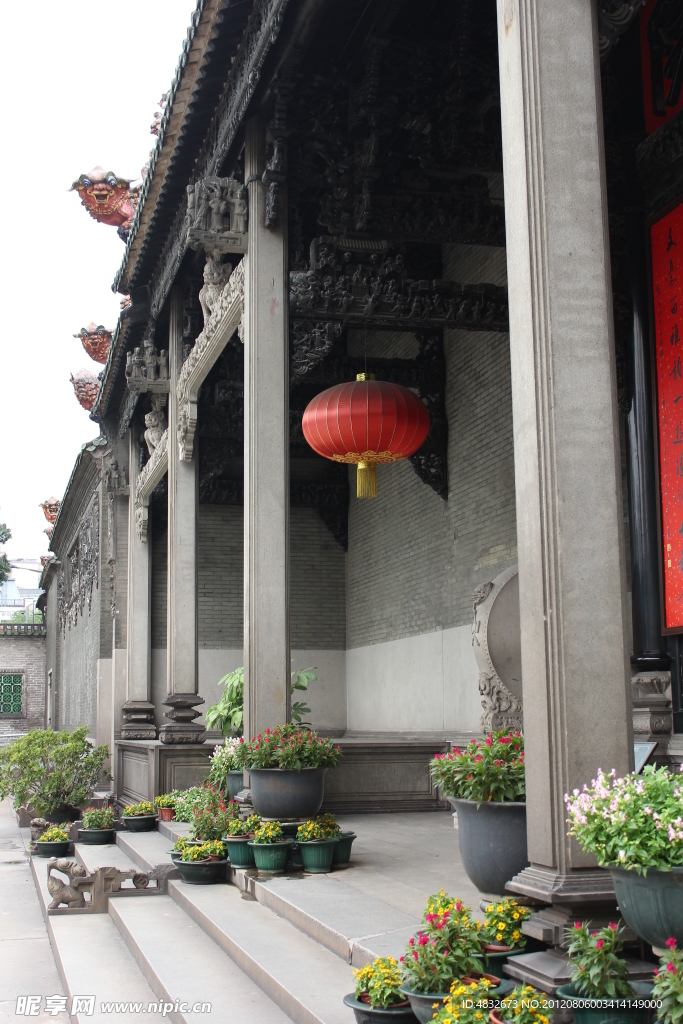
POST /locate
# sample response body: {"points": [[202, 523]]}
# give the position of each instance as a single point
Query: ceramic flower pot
{"points": [[365, 1014], [497, 957], [166, 813], [492, 840], [55, 849], [63, 815], [342, 851], [286, 795], [652, 904], [234, 784], [240, 853], [202, 872], [422, 1003], [140, 822], [270, 856], [317, 856], [592, 1014], [97, 836]]}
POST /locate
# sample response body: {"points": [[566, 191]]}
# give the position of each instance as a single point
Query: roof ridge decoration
{"points": [[89, 447]]}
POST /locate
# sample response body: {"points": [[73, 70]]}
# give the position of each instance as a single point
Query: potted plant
{"points": [[378, 995], [316, 847], [270, 848], [237, 841], [202, 864], [210, 819], [524, 1005], [447, 949], [342, 850], [634, 826], [287, 767], [600, 976], [52, 772], [668, 986], [486, 782], [466, 1003], [502, 932], [98, 826], [165, 805], [54, 842], [140, 817], [226, 767]]}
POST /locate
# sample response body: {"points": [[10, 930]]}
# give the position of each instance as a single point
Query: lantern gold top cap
{"points": [[365, 376]]}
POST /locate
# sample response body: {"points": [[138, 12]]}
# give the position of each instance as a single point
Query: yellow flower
{"points": [[515, 916], [499, 937]]}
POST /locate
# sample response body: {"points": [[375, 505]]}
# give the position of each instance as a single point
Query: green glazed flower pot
{"points": [[365, 1014], [202, 872], [97, 836], [496, 961], [234, 784], [140, 822], [56, 849], [317, 855], [270, 856], [652, 904], [592, 1014], [342, 851], [240, 853]]}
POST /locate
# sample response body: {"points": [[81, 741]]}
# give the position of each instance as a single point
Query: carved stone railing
{"points": [[225, 319], [150, 476]]}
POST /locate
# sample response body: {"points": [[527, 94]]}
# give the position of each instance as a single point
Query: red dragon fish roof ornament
{"points": [[96, 341], [108, 198], [50, 508], [86, 386]]}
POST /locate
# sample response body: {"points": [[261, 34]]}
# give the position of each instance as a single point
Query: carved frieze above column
{"points": [[497, 648], [146, 371], [217, 215], [652, 710], [151, 475], [81, 570], [225, 317]]}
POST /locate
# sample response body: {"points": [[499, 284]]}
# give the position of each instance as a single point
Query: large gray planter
{"points": [[652, 904], [234, 784], [285, 794], [492, 842]]}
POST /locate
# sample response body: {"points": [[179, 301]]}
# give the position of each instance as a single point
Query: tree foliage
{"points": [[51, 770], [5, 568]]}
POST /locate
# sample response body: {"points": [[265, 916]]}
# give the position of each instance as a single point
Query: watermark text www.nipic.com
{"points": [[30, 1006]]}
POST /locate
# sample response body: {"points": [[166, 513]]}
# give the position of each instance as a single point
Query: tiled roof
{"points": [[89, 446]]}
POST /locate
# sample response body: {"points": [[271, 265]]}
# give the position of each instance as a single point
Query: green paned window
{"points": [[10, 694]]}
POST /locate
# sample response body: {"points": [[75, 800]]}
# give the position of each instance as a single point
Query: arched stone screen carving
{"points": [[497, 647]]}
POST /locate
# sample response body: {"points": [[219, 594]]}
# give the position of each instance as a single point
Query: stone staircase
{"points": [[258, 950]]}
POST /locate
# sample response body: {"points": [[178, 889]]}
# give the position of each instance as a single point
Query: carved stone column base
{"points": [[593, 886], [138, 721], [182, 714]]}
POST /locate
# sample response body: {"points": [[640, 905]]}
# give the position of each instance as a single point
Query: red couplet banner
{"points": [[666, 237]]}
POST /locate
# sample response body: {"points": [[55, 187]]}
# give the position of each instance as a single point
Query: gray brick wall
{"points": [[413, 558], [317, 584], [121, 578], [220, 574], [159, 585], [24, 655]]}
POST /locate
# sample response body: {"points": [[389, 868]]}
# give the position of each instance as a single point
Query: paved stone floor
{"points": [[27, 966]]}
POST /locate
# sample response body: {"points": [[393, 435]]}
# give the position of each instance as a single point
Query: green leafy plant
{"points": [[448, 948], [525, 1005], [503, 923], [187, 799], [669, 985], [55, 834], [237, 827], [5, 567], [210, 820], [599, 971], [135, 810], [286, 746], [633, 822], [380, 980], [165, 800], [195, 852], [311, 832], [98, 817], [329, 826], [225, 758], [51, 770], [228, 713], [488, 771], [466, 1004], [180, 844], [268, 832]]}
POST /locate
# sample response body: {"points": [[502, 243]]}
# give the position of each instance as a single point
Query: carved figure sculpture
{"points": [[50, 508], [216, 276], [150, 359], [158, 114], [496, 643], [217, 210], [96, 341], [155, 421], [86, 385], [38, 825], [163, 364], [61, 892], [108, 198]]}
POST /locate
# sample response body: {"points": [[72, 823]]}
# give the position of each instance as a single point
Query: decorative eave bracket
{"points": [[225, 319], [150, 476]]}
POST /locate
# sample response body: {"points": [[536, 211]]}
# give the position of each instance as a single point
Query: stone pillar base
{"points": [[182, 714], [592, 887], [652, 710], [138, 721]]}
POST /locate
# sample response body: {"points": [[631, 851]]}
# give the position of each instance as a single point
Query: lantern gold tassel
{"points": [[366, 480]]}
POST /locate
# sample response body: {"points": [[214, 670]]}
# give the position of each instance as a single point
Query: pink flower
{"points": [[613, 926], [411, 942], [401, 959], [600, 943], [478, 758], [489, 741], [656, 970], [671, 943], [457, 751], [577, 924], [671, 968], [414, 955], [423, 939]]}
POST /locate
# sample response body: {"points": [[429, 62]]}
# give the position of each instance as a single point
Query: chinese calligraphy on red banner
{"points": [[666, 238]]}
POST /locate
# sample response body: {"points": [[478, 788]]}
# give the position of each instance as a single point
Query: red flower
{"points": [[613, 927], [600, 943], [671, 968], [478, 758], [577, 924], [671, 943], [489, 740]]}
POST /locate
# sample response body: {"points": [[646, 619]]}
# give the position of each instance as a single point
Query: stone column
{"points": [[182, 563], [266, 455], [138, 711], [575, 664]]}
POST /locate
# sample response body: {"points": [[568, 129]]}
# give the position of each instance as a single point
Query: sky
{"points": [[80, 87]]}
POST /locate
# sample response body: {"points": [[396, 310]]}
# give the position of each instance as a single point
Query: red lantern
{"points": [[367, 423]]}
